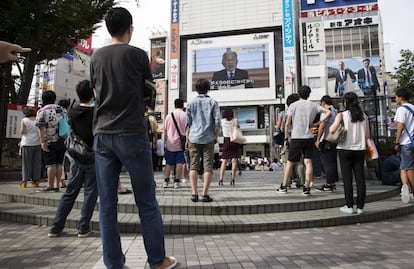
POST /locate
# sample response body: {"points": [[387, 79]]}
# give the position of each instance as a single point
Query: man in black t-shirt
{"points": [[118, 74], [82, 173]]}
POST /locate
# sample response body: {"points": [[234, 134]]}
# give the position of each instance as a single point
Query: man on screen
{"points": [[231, 76]]}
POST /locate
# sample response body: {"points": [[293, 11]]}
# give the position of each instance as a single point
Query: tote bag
{"points": [[236, 136], [339, 135]]}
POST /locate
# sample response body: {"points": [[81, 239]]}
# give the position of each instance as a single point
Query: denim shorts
{"points": [[174, 157], [407, 157]]}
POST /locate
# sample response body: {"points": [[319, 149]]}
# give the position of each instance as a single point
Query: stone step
{"points": [[247, 199], [191, 224]]}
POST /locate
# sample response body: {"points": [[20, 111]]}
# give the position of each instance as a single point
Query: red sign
{"points": [[85, 45], [339, 10]]}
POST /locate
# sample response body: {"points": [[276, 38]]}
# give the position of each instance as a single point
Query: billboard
{"points": [[233, 62], [315, 8], [158, 57], [247, 117]]}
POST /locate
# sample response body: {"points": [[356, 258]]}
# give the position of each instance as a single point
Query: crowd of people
{"points": [[112, 120]]}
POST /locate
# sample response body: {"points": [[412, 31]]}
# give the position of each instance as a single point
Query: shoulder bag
{"points": [[236, 135], [64, 127], [183, 138], [78, 149], [339, 135]]}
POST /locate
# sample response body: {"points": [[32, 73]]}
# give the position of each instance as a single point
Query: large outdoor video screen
{"points": [[231, 64]]}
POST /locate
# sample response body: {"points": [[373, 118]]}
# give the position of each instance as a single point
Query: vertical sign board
{"points": [[289, 57], [174, 49], [158, 57], [14, 117], [314, 36]]}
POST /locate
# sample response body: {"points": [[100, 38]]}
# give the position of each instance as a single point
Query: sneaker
{"points": [[23, 185], [405, 194], [183, 180], [54, 232], [176, 185], [306, 191], [168, 263], [327, 187], [347, 210], [360, 211], [35, 184], [84, 232], [165, 184], [282, 189]]}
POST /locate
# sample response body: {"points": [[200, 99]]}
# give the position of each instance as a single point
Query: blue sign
{"points": [[322, 4], [175, 11], [288, 24]]}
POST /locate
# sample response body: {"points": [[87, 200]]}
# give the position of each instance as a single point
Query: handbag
{"points": [[339, 135], [64, 127], [236, 136], [78, 149], [183, 138]]}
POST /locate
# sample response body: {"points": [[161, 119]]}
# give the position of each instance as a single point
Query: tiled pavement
{"points": [[382, 244]]}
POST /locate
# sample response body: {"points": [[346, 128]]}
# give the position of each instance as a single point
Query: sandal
{"points": [[220, 182], [194, 198], [232, 182]]}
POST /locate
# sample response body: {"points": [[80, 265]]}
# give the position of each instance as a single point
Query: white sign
{"points": [[14, 118], [314, 36]]}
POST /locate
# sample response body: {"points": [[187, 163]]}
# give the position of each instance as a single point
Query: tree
{"points": [[405, 71], [50, 28]]}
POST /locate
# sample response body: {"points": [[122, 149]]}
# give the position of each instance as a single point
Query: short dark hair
{"points": [[304, 92], [404, 93], [178, 103], [327, 100], [118, 20], [292, 98], [202, 86], [84, 91], [366, 60], [64, 103], [48, 97]]}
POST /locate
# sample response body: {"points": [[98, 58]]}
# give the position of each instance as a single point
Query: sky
{"points": [[154, 16]]}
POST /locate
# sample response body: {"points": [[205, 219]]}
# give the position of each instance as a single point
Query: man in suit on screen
{"points": [[231, 76]]}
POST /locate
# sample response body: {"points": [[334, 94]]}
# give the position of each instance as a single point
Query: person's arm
{"points": [[327, 113], [22, 127], [320, 132], [367, 131], [351, 74], [287, 126], [336, 123], [278, 123], [43, 144], [398, 133]]}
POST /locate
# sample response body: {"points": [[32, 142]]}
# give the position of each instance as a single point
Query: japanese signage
{"points": [[288, 24], [313, 36], [174, 47], [364, 21], [315, 8], [85, 45]]}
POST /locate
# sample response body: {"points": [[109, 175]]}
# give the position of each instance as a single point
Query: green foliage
{"points": [[405, 71], [50, 28]]}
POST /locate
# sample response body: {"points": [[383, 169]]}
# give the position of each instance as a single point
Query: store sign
{"points": [[345, 7], [288, 24], [355, 22], [85, 45], [313, 40], [323, 4]]}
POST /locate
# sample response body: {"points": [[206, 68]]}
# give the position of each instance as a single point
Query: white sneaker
{"points": [[183, 180], [359, 211], [176, 185], [165, 185], [405, 194], [347, 210]]}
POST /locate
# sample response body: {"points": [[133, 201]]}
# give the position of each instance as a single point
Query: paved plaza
{"points": [[382, 244]]}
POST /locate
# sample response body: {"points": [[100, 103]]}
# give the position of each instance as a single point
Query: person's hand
{"points": [[44, 146], [8, 51], [317, 144]]}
